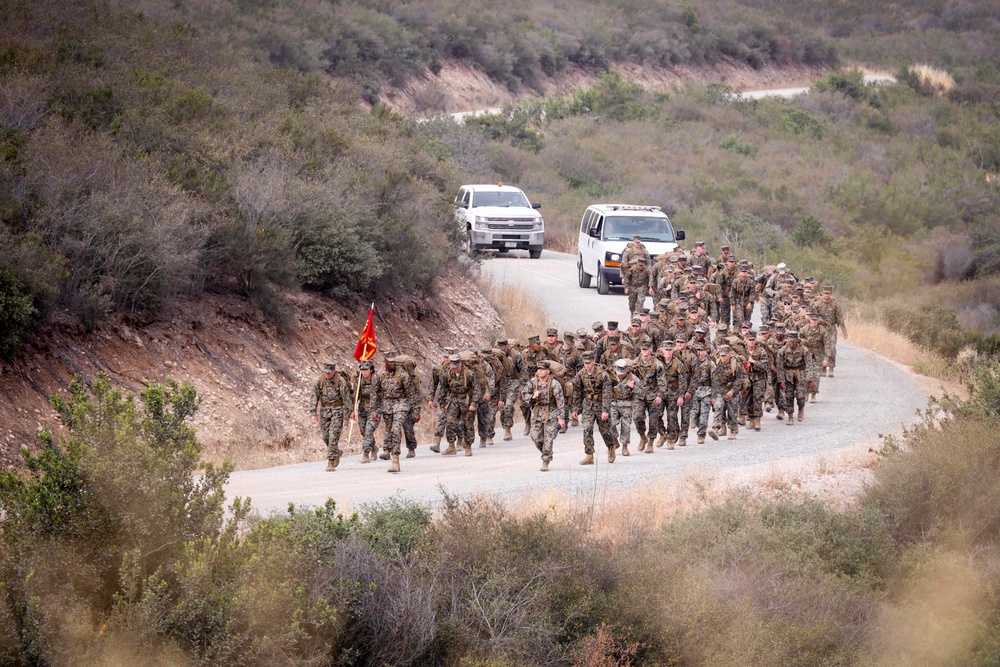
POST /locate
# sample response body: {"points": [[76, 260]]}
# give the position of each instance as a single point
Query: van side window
{"points": [[598, 224], [585, 225], [466, 197]]}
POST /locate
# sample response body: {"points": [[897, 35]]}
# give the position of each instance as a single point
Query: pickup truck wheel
{"points": [[584, 277], [473, 248], [534, 253], [602, 283]]}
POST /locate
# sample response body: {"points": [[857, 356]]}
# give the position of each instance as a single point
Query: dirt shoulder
{"points": [[255, 384]]}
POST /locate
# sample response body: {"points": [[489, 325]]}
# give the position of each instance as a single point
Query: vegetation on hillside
{"points": [[139, 163], [111, 552], [876, 190]]}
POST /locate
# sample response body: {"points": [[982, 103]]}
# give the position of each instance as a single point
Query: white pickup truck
{"points": [[500, 217]]}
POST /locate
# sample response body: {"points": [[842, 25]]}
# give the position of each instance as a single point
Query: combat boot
{"points": [[489, 442], [366, 458], [336, 460], [468, 448], [625, 451], [732, 433], [410, 453], [671, 441], [394, 466], [482, 442], [741, 420], [574, 422], [450, 451], [801, 410], [662, 439], [823, 374], [611, 454], [683, 441], [756, 424], [812, 397], [767, 407], [545, 466], [507, 434], [587, 460], [330, 465], [436, 447], [713, 433], [830, 374], [701, 439], [384, 455], [642, 442], [649, 446], [780, 415], [527, 429]]}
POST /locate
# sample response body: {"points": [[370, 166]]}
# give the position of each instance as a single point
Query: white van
{"points": [[605, 231]]}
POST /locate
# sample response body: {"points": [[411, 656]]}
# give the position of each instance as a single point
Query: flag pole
{"points": [[357, 388], [357, 395]]}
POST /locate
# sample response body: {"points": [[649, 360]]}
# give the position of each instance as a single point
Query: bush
{"points": [[18, 308]]}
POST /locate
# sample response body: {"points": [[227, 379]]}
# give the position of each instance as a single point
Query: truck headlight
{"points": [[539, 225], [614, 257]]}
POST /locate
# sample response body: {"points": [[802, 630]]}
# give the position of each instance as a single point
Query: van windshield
{"points": [[650, 228], [499, 199]]}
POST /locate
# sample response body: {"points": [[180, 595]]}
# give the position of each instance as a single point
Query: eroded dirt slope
{"points": [[255, 384]]}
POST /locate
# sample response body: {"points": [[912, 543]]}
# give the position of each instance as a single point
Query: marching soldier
{"points": [[627, 388], [393, 393], [331, 398], [366, 409], [793, 367], [833, 317], [457, 396], [436, 374], [533, 356], [517, 376], [726, 384], [813, 337], [544, 396], [592, 392], [675, 372], [654, 381], [702, 376], [758, 367]]}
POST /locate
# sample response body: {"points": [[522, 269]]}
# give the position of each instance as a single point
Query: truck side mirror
{"points": [[680, 234], [536, 205], [593, 233]]}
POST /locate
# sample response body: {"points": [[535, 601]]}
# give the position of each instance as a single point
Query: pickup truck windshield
{"points": [[499, 199], [623, 228]]}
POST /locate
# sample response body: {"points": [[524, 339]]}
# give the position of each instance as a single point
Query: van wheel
{"points": [[473, 248], [534, 253], [602, 283], [584, 277]]}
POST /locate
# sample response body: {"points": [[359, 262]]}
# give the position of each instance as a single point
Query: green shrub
{"points": [[810, 232], [732, 143], [395, 526], [17, 304]]}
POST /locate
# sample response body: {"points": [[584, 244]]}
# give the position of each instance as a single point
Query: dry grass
{"points": [[872, 334], [939, 80], [521, 312]]}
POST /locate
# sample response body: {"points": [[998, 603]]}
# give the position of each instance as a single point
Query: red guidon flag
{"points": [[366, 344]]}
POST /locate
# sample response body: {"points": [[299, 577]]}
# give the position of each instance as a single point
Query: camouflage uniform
{"points": [[547, 409], [728, 377], [456, 393], [701, 394], [366, 409], [793, 365], [675, 372], [623, 404], [635, 277], [485, 417], [759, 374], [814, 340], [833, 317], [436, 374], [654, 382], [742, 295], [592, 398], [331, 405], [516, 378], [724, 278], [393, 394], [531, 361]]}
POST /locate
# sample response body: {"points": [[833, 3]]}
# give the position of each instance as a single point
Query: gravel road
{"points": [[869, 396]]}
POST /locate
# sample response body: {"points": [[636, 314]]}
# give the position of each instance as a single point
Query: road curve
{"points": [[869, 396]]}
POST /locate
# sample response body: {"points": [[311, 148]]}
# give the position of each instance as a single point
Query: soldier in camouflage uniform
{"points": [[592, 391], [793, 366], [726, 384], [486, 416], [683, 353], [724, 278], [635, 278], [393, 394], [635, 250], [813, 337], [515, 380], [759, 372], [742, 295], [544, 396], [654, 381], [700, 386], [569, 357], [457, 397], [533, 356], [627, 389], [436, 373], [675, 372], [765, 341], [833, 316], [330, 406], [366, 409]]}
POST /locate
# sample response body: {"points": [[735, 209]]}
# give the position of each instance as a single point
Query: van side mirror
{"points": [[536, 205], [593, 233], [680, 234]]}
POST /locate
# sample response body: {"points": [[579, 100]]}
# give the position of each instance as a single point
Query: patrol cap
{"points": [[745, 325], [723, 348], [614, 338], [636, 322], [682, 337], [698, 347], [663, 304], [486, 350], [612, 326], [329, 367], [782, 267], [780, 326], [588, 355], [808, 279], [544, 364], [597, 326], [765, 328], [552, 331], [450, 350], [569, 335], [731, 259], [366, 365], [682, 312], [828, 289], [723, 327], [501, 342], [813, 315], [744, 266], [646, 344], [701, 328], [534, 339], [582, 333], [637, 237], [644, 311], [792, 335], [621, 366], [668, 345], [751, 335], [641, 260], [699, 243], [455, 359], [724, 248]]}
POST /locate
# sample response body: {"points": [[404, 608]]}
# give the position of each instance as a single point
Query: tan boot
{"points": [[394, 466], [574, 422], [662, 439], [671, 441], [330, 465], [642, 442], [384, 455], [611, 454], [366, 458], [410, 453], [732, 433], [741, 420], [799, 416], [649, 446], [436, 447], [587, 460], [507, 434], [830, 374], [545, 466], [450, 451], [468, 448], [812, 398], [701, 440], [780, 415], [489, 442], [625, 451], [683, 441], [527, 428], [713, 434], [482, 442]]}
